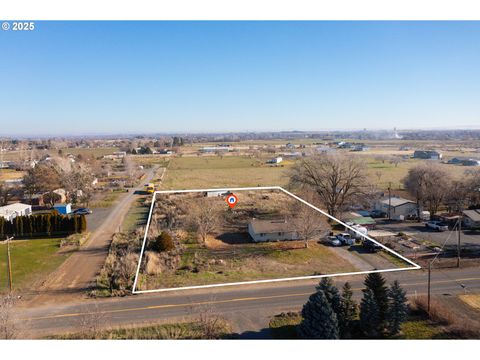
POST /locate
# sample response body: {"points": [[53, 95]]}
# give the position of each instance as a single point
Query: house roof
{"points": [[362, 220], [472, 214], [396, 201], [13, 208], [271, 226]]}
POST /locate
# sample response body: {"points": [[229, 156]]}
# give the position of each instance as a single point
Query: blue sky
{"points": [[132, 77]]}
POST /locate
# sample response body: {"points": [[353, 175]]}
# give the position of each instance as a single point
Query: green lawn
{"points": [[137, 215], [31, 260]]}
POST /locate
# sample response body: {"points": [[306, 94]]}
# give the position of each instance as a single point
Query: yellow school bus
{"points": [[150, 188]]}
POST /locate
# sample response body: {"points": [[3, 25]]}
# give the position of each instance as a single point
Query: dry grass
{"points": [[471, 300]]}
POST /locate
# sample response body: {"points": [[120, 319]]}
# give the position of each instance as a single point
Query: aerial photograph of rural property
{"points": [[240, 180]]}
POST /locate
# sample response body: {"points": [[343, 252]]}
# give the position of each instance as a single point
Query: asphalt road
{"points": [[77, 274], [248, 307]]}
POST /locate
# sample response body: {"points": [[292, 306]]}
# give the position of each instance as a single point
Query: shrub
{"points": [[163, 242]]}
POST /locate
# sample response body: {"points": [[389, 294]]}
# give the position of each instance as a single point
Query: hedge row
{"points": [[42, 225]]}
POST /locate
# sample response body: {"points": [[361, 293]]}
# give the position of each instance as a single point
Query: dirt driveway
{"points": [[78, 273]]}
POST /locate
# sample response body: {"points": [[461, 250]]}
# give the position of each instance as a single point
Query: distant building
{"points": [[116, 155], [464, 161], [427, 155], [63, 209], [10, 212], [290, 146], [397, 208], [359, 147], [214, 149], [271, 230]]}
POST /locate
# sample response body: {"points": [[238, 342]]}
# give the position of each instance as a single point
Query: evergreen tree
{"points": [[348, 312], [75, 226], [319, 320], [398, 308], [370, 315], [376, 283], [83, 223], [331, 293]]}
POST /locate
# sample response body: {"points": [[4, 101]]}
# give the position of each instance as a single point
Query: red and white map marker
{"points": [[232, 200]]}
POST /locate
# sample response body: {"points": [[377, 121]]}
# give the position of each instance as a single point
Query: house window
{"points": [[262, 234], [280, 234]]}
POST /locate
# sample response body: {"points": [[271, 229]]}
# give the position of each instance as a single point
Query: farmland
{"points": [[227, 171]]}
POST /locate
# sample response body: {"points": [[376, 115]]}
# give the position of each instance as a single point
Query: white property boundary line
{"points": [[134, 291]]}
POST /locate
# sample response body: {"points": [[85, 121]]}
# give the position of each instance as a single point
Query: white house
{"points": [[10, 212], [271, 230], [397, 207]]}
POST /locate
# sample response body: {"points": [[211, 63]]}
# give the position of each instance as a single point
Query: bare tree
{"points": [[92, 322], [42, 178], [307, 221], [7, 323], [429, 184], [204, 218], [339, 180]]}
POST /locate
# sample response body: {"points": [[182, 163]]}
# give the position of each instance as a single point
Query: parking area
{"points": [[470, 240]]}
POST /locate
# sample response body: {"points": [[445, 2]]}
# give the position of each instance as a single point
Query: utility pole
{"points": [[458, 239], [9, 264], [389, 200], [428, 291]]}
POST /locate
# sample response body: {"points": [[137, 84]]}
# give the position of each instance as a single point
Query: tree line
{"points": [[42, 225], [329, 314]]}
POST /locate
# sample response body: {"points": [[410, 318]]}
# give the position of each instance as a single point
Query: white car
{"points": [[436, 225], [346, 239]]}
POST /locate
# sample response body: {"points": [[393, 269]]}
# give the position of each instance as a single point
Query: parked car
{"points": [[371, 246], [333, 241], [82, 211], [436, 225], [378, 214], [346, 239]]}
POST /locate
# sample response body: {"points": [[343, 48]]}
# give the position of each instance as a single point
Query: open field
{"points": [[8, 174], [229, 171], [31, 261]]}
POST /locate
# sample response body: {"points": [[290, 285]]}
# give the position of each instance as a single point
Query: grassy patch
{"points": [[109, 199], [211, 172], [472, 300], [31, 261], [419, 330], [284, 325], [189, 330], [137, 215], [9, 174], [247, 262]]}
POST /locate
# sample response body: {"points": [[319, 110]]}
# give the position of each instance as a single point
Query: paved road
{"points": [[248, 307], [77, 274]]}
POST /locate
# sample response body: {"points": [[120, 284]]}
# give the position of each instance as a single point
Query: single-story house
{"points": [[10, 212], [396, 208], [471, 218], [63, 209], [216, 193], [272, 230], [427, 154]]}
